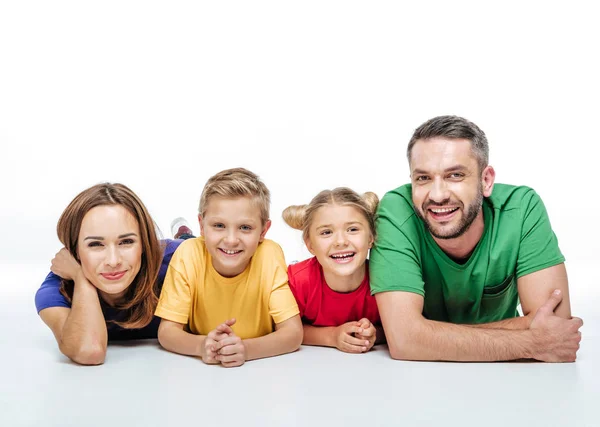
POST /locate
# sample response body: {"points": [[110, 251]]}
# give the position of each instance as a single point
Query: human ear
{"points": [[201, 225], [309, 245], [488, 177], [264, 231]]}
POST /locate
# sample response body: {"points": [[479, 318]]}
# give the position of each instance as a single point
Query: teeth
{"points": [[342, 255], [230, 252], [443, 210]]}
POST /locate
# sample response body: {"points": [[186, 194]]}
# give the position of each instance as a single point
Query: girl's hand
{"points": [[231, 351], [209, 351], [347, 341], [65, 266], [368, 334]]}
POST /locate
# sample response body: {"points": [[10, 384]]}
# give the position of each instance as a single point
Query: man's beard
{"points": [[465, 223]]}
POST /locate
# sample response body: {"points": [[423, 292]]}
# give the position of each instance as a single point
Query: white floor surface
{"points": [[142, 385]]}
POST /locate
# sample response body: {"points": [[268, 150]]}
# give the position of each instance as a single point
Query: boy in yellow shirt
{"points": [[225, 290]]}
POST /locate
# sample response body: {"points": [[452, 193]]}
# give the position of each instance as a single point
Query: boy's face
{"points": [[232, 230]]}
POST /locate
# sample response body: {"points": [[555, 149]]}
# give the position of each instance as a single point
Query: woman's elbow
{"points": [[93, 354]]}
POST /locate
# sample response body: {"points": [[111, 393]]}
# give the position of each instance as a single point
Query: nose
{"points": [[341, 239], [113, 256], [438, 192], [231, 238]]}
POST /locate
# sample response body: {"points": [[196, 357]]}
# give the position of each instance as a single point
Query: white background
{"points": [[309, 95]]}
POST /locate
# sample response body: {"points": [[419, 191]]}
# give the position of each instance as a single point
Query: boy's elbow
{"points": [[297, 339]]}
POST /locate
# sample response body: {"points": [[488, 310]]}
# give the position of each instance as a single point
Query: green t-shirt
{"points": [[517, 240]]}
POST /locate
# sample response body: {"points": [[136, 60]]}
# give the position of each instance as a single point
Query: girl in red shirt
{"points": [[332, 288]]}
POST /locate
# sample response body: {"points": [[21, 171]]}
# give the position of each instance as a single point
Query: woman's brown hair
{"points": [[141, 297]]}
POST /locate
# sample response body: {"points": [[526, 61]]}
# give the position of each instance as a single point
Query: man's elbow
{"points": [[398, 351], [404, 347]]}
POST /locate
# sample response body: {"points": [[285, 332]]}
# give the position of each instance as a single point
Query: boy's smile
{"points": [[232, 230]]}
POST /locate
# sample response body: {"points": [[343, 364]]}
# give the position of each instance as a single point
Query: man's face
{"points": [[447, 186]]}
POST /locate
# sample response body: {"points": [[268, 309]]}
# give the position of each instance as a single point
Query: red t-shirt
{"points": [[322, 306]]}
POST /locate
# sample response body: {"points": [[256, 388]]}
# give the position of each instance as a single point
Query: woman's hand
{"points": [[65, 266]]}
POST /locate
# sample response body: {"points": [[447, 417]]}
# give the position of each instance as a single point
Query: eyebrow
{"points": [[450, 169], [240, 221], [331, 225], [102, 238]]}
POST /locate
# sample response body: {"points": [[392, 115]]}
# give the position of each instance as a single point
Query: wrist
{"points": [[333, 336], [200, 350]]}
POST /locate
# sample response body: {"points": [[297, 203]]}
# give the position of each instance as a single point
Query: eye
{"points": [[245, 228], [325, 232], [218, 225], [127, 242], [421, 178], [353, 229], [456, 175], [94, 244]]}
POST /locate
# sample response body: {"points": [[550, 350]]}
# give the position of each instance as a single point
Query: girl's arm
{"points": [[341, 337]]}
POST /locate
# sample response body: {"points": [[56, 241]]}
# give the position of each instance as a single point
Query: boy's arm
{"points": [[286, 338], [173, 338], [412, 337]]}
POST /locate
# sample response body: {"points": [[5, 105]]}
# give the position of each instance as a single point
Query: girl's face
{"points": [[110, 250], [340, 238]]}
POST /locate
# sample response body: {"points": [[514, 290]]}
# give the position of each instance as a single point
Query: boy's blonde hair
{"points": [[301, 217], [233, 183]]}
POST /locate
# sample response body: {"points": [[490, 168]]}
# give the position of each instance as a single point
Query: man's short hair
{"points": [[453, 127]]}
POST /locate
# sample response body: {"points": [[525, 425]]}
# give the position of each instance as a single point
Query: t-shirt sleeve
{"points": [[539, 246], [48, 295], [176, 297], [297, 290], [282, 304], [394, 262]]}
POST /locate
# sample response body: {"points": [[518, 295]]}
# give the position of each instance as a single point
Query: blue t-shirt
{"points": [[48, 295]]}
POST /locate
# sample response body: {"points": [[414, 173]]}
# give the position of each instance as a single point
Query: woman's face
{"points": [[110, 250]]}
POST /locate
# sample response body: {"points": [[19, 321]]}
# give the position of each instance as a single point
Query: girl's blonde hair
{"points": [[301, 217]]}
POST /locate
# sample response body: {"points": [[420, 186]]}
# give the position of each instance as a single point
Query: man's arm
{"points": [[412, 337], [534, 290]]}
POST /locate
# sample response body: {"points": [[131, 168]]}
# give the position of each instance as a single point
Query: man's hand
{"points": [[65, 266], [209, 350], [555, 339], [369, 333], [346, 340]]}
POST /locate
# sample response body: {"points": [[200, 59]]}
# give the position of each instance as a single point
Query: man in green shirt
{"points": [[453, 258]]}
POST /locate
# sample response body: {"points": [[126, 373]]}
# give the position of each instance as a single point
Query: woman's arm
{"points": [[81, 330]]}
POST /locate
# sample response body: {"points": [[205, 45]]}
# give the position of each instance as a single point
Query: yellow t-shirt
{"points": [[196, 295]]}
